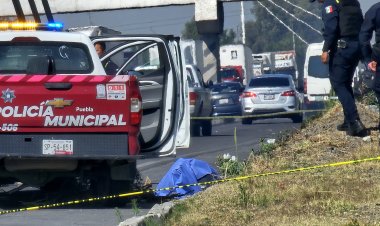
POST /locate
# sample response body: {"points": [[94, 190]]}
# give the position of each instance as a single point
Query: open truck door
{"points": [[157, 63]]}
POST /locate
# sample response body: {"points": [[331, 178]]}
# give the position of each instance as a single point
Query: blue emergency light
{"points": [[55, 25]]}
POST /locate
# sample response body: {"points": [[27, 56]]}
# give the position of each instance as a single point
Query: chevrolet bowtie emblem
{"points": [[59, 103]]}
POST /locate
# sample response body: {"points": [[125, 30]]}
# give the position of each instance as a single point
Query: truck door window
{"points": [[233, 54]]}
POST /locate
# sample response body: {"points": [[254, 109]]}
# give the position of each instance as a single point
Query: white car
{"points": [[271, 93]]}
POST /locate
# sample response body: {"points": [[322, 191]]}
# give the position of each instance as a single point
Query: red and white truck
{"points": [[236, 63], [62, 118]]}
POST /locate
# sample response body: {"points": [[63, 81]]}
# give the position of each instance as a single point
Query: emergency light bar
{"points": [[31, 26]]}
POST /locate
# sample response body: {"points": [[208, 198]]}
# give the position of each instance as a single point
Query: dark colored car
{"points": [[226, 98]]}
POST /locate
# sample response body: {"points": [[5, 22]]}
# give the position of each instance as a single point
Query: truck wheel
{"points": [[195, 129], [102, 185], [298, 118], [246, 121], [207, 128], [228, 120]]}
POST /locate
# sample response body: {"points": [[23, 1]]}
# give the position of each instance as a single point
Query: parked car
{"points": [[200, 102], [272, 93], [226, 98]]}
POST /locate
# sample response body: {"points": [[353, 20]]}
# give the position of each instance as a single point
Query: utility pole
{"points": [[242, 21], [294, 39]]}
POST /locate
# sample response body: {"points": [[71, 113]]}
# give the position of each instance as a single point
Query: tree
{"points": [[266, 34], [228, 37], [190, 32]]}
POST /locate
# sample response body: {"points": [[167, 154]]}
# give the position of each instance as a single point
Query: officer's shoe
{"points": [[342, 127], [356, 129]]}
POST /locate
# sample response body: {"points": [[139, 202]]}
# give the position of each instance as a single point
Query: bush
{"points": [[229, 166]]}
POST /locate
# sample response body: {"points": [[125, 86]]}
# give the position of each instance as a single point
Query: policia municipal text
{"points": [[342, 21]]}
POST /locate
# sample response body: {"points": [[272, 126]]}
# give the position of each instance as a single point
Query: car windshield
{"points": [[317, 68], [228, 73], [226, 88], [269, 82], [68, 58]]}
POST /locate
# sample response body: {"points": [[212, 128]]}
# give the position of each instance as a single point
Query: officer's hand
{"points": [[325, 57], [372, 65]]}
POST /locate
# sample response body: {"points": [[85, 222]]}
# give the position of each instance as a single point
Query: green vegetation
{"points": [[369, 98], [118, 214], [135, 207], [190, 32], [345, 195], [229, 166]]}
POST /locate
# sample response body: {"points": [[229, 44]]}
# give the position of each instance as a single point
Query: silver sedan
{"points": [[271, 93]]}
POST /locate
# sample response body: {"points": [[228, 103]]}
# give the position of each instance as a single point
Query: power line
{"points": [[279, 20], [296, 18], [299, 7]]}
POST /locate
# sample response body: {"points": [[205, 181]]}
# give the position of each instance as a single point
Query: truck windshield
{"points": [[67, 58], [228, 73], [316, 68]]}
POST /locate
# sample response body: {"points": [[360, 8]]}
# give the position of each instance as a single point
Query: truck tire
{"points": [[246, 121], [103, 185], [207, 128], [195, 129], [298, 118]]}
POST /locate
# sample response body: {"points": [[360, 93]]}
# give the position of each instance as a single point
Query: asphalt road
{"points": [[203, 148]]}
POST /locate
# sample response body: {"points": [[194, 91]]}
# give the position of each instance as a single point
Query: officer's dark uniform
{"points": [[342, 22], [110, 67], [371, 24]]}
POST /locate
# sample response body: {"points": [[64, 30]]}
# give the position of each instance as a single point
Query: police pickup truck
{"points": [[63, 120]]}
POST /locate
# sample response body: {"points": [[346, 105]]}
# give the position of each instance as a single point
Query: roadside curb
{"points": [[154, 215]]}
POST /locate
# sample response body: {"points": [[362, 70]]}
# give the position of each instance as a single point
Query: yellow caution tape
{"points": [[257, 115], [130, 194]]}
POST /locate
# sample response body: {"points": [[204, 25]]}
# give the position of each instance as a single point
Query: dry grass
{"points": [[348, 195]]}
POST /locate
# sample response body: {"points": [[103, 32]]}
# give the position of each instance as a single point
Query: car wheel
{"points": [[298, 118], [195, 129], [246, 121], [207, 128], [228, 120]]}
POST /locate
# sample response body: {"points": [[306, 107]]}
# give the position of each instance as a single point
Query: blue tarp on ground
{"points": [[185, 171]]}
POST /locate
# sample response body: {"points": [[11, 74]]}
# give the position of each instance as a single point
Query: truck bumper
{"points": [[84, 146]]}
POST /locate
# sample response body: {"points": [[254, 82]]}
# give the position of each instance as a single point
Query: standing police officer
{"points": [[342, 22], [371, 56]]}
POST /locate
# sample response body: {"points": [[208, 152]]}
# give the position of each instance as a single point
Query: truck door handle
{"points": [[58, 86], [148, 83]]}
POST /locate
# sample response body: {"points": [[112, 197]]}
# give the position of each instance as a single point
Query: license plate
{"points": [[268, 96], [223, 101], [57, 147], [319, 98]]}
